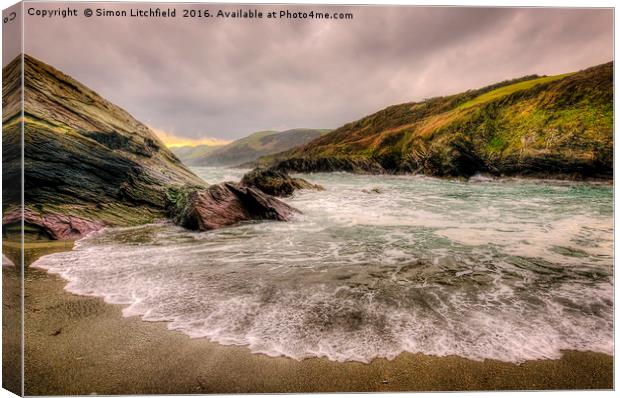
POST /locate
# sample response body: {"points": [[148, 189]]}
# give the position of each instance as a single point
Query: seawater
{"points": [[377, 265]]}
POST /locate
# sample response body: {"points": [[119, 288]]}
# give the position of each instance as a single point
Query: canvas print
{"points": [[221, 198]]}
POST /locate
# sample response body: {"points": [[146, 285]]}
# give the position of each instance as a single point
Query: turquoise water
{"points": [[376, 265]]}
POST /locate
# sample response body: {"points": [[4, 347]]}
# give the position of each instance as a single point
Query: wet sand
{"points": [[81, 345]]}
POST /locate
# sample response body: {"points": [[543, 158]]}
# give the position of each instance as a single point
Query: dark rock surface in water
{"points": [[327, 164], [224, 204], [276, 182]]}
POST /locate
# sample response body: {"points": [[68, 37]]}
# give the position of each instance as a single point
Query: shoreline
{"points": [[540, 175], [71, 341], [544, 177]]}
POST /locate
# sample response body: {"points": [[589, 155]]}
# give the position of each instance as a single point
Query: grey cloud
{"points": [[227, 78]]}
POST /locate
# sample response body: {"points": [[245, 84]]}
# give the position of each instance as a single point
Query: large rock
{"points": [[86, 162], [276, 182], [203, 209]]}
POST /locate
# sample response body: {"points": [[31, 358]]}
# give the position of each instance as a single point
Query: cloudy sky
{"points": [[198, 79]]}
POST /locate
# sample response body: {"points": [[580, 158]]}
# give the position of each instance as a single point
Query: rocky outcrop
{"points": [[357, 165], [89, 164], [52, 225], [204, 209], [276, 182]]}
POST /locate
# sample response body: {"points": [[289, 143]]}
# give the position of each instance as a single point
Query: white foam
{"points": [[430, 266]]}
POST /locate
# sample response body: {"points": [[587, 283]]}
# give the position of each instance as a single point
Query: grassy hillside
{"points": [[190, 154], [250, 148], [550, 125]]}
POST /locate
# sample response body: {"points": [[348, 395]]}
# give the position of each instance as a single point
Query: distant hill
{"points": [[544, 126], [249, 148], [189, 154]]}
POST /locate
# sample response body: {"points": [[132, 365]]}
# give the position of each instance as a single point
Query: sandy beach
{"points": [[82, 345]]}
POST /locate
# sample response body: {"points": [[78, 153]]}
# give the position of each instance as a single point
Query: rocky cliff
{"points": [[87, 163], [549, 126]]}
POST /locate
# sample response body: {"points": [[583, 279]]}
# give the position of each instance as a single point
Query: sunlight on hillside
{"points": [[506, 90], [171, 140]]}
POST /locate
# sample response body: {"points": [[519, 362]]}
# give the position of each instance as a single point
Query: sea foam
{"points": [[492, 270]]}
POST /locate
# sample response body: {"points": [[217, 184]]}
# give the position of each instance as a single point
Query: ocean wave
{"points": [[482, 271]]}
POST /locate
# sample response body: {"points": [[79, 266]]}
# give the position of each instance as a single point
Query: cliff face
{"points": [[87, 162], [540, 126]]}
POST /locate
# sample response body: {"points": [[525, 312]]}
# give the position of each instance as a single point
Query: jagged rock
{"points": [[276, 182], [224, 204], [89, 164]]}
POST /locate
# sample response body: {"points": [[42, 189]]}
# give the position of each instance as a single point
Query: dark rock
{"points": [[224, 204], [357, 165], [276, 182], [555, 166]]}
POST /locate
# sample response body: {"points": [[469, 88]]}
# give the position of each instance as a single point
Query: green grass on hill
{"points": [[550, 125], [507, 90]]}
